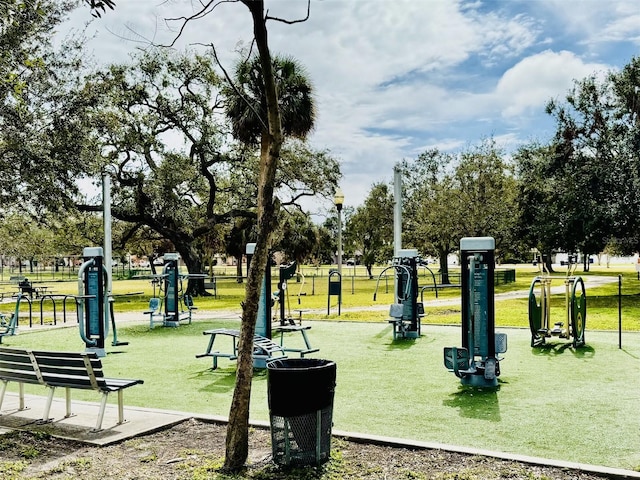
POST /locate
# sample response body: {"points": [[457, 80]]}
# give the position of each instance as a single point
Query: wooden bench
{"points": [[264, 349], [81, 370]]}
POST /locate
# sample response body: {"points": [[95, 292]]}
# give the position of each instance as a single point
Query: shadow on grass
{"points": [[224, 379], [554, 349], [481, 404], [387, 331], [406, 343]]}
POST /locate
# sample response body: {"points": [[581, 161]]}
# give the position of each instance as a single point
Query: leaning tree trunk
{"points": [[237, 442]]}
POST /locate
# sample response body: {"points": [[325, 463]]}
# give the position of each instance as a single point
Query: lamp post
{"points": [[339, 200]]}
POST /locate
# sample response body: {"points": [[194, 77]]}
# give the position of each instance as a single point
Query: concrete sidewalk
{"points": [[80, 426]]}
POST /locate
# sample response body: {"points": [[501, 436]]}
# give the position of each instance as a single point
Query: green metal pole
{"points": [[620, 311]]}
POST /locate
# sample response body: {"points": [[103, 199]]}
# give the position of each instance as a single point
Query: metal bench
{"points": [[69, 370], [264, 349]]}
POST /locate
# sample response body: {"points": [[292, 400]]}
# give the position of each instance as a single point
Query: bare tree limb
{"points": [[207, 8], [290, 22]]}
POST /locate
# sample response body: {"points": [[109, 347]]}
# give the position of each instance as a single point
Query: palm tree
{"points": [[246, 104]]}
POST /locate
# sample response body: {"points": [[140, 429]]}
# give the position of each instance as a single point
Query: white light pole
{"points": [[339, 200]]}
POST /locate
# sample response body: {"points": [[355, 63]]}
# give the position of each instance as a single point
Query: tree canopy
{"points": [[370, 227], [580, 192], [453, 196]]}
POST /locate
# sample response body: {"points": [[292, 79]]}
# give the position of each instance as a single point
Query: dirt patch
{"points": [[195, 450]]}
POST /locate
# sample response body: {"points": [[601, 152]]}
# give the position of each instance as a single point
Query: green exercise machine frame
{"points": [[477, 362], [573, 326]]}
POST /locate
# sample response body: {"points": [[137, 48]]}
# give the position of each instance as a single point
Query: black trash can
{"points": [[300, 393]]}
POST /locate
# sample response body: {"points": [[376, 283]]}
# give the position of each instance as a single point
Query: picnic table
{"points": [[282, 329]]}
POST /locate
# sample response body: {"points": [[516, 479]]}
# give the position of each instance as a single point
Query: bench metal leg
{"points": [[120, 407], [67, 395], [2, 392], [103, 406], [47, 408]]}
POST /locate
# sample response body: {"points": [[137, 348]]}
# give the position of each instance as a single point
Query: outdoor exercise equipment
{"points": [[476, 363], [172, 289], [265, 302], [265, 349], [9, 324], [94, 304], [172, 305], [92, 301], [407, 311], [286, 272], [540, 307]]}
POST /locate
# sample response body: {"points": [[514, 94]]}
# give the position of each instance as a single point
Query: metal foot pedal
{"points": [[490, 368], [456, 359], [558, 329]]}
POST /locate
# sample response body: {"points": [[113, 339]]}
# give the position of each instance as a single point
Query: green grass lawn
{"points": [[578, 405]]}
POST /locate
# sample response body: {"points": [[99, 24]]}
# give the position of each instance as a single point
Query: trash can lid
{"points": [[299, 363]]}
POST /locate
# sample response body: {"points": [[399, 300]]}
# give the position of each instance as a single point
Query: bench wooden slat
{"points": [[10, 355], [16, 366], [23, 377], [70, 381]]}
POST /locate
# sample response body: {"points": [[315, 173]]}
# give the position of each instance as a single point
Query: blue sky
{"points": [[395, 77]]}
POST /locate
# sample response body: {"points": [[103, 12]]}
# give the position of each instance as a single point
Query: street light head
{"points": [[338, 199]]}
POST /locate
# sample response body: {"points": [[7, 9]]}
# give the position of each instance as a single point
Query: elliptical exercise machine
{"points": [[540, 307]]}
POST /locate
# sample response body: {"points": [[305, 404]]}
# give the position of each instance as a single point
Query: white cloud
{"points": [[393, 78], [533, 81]]}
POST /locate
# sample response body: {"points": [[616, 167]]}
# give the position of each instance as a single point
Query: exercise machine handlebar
{"points": [[407, 292]]}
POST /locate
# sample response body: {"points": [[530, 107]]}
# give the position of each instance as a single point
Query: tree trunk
{"points": [[547, 263], [239, 278], [194, 264], [237, 441], [369, 271], [444, 266]]}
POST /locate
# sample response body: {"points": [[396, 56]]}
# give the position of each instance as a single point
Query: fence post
{"points": [[620, 311]]}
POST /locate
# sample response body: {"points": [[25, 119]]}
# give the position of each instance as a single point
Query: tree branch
{"points": [[207, 7], [290, 22]]}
